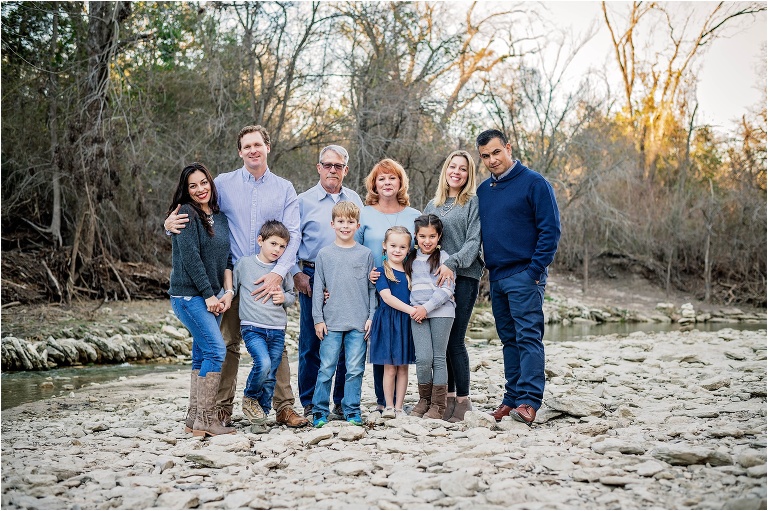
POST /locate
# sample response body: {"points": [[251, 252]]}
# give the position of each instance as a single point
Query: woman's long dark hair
{"points": [[181, 195], [434, 257]]}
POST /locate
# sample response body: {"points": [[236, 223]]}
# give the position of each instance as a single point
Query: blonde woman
{"points": [[456, 204]]}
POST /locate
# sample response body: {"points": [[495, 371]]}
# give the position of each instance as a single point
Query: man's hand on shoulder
{"points": [[175, 221], [266, 286]]}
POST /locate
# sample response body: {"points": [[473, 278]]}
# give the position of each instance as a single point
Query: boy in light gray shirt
{"points": [[263, 321], [345, 318]]}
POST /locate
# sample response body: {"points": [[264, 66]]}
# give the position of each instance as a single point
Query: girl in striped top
{"points": [[433, 316]]}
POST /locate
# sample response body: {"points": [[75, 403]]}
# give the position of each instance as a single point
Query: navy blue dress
{"points": [[391, 340]]}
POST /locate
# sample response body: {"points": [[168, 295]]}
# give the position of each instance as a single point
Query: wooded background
{"points": [[103, 103]]}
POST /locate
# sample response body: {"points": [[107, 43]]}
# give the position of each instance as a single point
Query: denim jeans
{"points": [[355, 346], [309, 352], [457, 358], [265, 345], [208, 347], [517, 307]]}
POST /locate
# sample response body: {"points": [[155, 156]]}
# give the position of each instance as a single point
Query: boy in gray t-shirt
{"points": [[345, 318], [263, 321]]}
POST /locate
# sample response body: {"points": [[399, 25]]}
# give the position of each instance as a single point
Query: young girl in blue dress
{"points": [[391, 342]]}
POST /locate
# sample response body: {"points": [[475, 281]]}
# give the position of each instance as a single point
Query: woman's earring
{"points": [[438, 247]]}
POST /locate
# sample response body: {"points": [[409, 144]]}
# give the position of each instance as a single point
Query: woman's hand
{"points": [[374, 276], [175, 221], [443, 274], [212, 304]]}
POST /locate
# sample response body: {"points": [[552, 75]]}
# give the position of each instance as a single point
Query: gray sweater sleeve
{"points": [[290, 295], [317, 291], [443, 293], [471, 246]]}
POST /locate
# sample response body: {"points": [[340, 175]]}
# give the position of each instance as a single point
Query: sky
{"points": [[728, 72]]}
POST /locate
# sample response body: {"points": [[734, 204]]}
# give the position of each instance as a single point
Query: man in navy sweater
{"points": [[520, 226]]}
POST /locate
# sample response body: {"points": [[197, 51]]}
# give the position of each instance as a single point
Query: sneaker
{"points": [[388, 413], [400, 413], [319, 420], [337, 412], [308, 410], [355, 420], [253, 411]]}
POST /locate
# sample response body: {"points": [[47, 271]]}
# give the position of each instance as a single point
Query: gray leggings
{"points": [[430, 340]]}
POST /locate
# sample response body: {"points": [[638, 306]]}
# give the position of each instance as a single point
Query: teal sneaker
{"points": [[319, 420], [355, 420]]}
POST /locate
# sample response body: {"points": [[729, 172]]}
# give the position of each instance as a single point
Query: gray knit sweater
{"points": [[199, 260], [253, 312], [344, 273], [461, 236]]}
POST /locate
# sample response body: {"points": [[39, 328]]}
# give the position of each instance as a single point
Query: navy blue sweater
{"points": [[520, 223]]}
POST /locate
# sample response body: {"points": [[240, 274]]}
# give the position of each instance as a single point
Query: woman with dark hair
{"points": [[386, 205], [456, 204], [201, 289]]}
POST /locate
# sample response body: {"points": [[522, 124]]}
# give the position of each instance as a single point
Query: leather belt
{"points": [[307, 264]]}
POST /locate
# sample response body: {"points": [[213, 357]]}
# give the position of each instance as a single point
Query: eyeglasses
{"points": [[338, 166]]}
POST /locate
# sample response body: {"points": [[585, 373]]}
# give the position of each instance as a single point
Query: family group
{"points": [[377, 279]]}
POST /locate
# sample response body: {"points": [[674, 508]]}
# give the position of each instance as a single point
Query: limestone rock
{"points": [[681, 454]]}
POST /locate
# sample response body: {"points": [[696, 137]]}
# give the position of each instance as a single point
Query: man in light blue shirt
{"points": [[315, 207], [249, 196]]}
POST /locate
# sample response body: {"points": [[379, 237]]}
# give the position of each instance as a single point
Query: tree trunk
{"points": [[53, 78]]}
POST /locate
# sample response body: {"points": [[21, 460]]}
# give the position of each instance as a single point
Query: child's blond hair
{"points": [[388, 271], [345, 209]]}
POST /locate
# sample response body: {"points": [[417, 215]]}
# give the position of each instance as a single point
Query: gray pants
{"points": [[430, 340]]}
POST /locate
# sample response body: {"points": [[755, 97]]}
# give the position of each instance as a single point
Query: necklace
{"points": [[387, 215], [447, 207], [208, 218]]}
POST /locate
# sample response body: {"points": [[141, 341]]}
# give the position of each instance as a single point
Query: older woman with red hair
{"points": [[386, 205]]}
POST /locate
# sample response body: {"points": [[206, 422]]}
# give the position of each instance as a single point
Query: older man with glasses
{"points": [[315, 212]]}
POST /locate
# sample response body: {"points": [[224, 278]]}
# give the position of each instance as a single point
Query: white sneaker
{"points": [[400, 413], [388, 413]]}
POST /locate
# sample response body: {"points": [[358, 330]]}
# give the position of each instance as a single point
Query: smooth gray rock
{"points": [[177, 500], [478, 419], [617, 444], [460, 484], [681, 454], [577, 405], [215, 459]]}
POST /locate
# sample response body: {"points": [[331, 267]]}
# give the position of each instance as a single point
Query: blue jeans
{"points": [[517, 307], [355, 346], [309, 352], [265, 345], [208, 348]]}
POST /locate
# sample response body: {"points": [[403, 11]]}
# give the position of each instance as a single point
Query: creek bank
{"points": [[673, 420], [167, 339]]}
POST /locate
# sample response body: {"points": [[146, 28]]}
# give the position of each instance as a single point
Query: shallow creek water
{"points": [[27, 386]]}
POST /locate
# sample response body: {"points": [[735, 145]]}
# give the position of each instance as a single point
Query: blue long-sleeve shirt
{"points": [[520, 223], [249, 202]]}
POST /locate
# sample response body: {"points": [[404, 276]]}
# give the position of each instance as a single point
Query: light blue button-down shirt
{"points": [[315, 207], [248, 203]]}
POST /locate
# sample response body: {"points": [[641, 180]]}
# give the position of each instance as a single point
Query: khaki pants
{"points": [[230, 330]]}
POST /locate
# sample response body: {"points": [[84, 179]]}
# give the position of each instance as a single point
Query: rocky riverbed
{"points": [[671, 420]]}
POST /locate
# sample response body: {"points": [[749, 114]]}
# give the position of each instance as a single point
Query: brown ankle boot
{"points": [[192, 409], [425, 396], [206, 421], [462, 407], [450, 404], [437, 407]]}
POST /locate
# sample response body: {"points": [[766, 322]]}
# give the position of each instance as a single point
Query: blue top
{"points": [[520, 223], [374, 224], [315, 207], [249, 202]]}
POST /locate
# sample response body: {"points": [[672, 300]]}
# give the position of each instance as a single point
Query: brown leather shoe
{"points": [[501, 412], [290, 418], [523, 413]]}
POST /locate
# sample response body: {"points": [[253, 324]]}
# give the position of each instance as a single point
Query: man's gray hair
{"points": [[336, 149]]}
